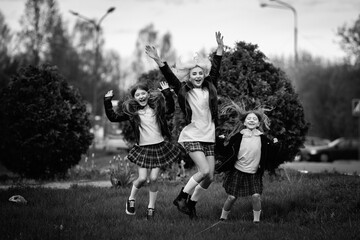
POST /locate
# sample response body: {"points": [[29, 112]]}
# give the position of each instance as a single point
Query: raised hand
{"points": [[109, 94], [163, 85], [151, 52], [220, 42]]}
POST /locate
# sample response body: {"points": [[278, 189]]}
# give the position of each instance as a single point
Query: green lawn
{"points": [[295, 206]]}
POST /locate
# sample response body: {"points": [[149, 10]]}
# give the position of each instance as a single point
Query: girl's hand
{"points": [[151, 52], [109, 94], [219, 39], [164, 85]]}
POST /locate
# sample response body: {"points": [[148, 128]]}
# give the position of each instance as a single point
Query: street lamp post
{"points": [[284, 5], [97, 27]]}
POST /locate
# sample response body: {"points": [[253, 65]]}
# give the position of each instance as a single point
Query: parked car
{"points": [[316, 141], [115, 143], [341, 148]]}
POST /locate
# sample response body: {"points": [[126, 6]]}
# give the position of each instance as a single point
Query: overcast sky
{"points": [[193, 23]]}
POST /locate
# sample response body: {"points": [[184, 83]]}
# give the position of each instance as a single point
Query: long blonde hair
{"points": [[182, 70]]}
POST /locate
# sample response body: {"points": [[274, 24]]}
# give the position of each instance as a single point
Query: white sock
{"points": [[133, 192], [257, 216], [224, 214], [190, 185], [152, 199], [198, 193]]}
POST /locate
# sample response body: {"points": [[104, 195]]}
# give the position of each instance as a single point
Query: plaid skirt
{"points": [[240, 184], [154, 156]]}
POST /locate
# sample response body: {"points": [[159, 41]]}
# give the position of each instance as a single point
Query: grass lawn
{"points": [[295, 206]]}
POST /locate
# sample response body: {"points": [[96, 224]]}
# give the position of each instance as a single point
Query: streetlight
{"points": [[97, 27], [284, 5]]}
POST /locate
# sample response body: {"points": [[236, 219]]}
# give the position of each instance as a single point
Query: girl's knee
{"points": [[256, 197], [205, 173], [153, 179], [231, 198], [141, 181]]}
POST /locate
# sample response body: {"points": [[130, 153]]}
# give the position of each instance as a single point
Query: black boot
{"points": [[180, 202], [192, 210]]}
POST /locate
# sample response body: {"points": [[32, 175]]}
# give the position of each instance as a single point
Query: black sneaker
{"points": [[150, 214], [130, 207]]}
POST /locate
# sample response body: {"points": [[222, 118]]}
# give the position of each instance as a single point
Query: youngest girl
{"points": [[250, 153], [146, 111]]}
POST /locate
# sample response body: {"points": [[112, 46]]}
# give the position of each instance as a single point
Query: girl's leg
{"points": [[203, 171], [137, 184], [153, 191], [204, 176], [256, 203], [205, 183], [229, 202], [153, 188]]}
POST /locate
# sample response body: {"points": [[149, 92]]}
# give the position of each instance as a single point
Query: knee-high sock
{"points": [[133, 192], [198, 193], [190, 185], [257, 216], [152, 199]]}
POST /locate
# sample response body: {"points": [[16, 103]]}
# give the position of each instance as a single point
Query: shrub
{"points": [[45, 126], [246, 76], [121, 174]]}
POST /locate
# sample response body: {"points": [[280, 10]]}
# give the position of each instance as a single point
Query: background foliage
{"points": [[45, 127], [246, 76]]}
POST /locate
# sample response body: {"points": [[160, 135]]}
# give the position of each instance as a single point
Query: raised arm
{"points": [[169, 100], [220, 42], [109, 111], [216, 61], [164, 68]]}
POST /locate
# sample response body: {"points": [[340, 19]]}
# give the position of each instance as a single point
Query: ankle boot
{"points": [[192, 210], [180, 202]]}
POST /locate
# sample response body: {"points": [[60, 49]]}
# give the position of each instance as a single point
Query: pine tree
{"points": [[45, 126]]}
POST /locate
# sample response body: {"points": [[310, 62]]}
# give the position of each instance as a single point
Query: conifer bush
{"points": [[247, 77], [45, 126]]}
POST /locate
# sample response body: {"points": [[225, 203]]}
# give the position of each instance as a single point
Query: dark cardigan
{"points": [[182, 88], [227, 155], [135, 120]]}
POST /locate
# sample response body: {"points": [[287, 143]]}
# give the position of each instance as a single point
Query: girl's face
{"points": [[197, 76], [251, 121], [141, 96]]}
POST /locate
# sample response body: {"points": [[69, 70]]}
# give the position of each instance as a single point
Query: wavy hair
{"points": [[238, 111], [182, 70], [156, 101]]}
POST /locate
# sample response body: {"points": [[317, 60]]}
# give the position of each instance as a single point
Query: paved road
{"points": [[345, 167], [341, 166]]}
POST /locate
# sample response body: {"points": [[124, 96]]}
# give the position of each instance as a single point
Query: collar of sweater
{"points": [[249, 133]]}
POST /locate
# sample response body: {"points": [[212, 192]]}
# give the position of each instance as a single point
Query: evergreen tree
{"points": [[45, 126], [247, 77]]}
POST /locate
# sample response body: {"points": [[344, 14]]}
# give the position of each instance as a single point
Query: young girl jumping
{"points": [[249, 153], [197, 99], [146, 111]]}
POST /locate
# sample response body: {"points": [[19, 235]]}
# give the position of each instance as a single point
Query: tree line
{"points": [[312, 97]]}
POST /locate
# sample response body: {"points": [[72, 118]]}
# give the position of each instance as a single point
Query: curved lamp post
{"points": [[284, 5], [97, 27]]}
